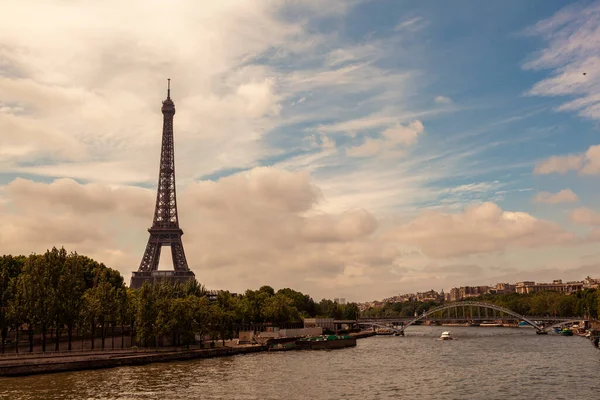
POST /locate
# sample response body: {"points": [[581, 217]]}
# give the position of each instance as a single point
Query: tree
{"points": [[146, 315], [70, 289], [252, 304], [597, 316], [329, 309], [23, 308], [132, 309], [38, 285], [201, 313], [304, 303], [105, 300], [193, 288], [182, 320], [10, 268], [267, 289], [280, 309], [123, 311], [222, 323], [90, 312], [351, 311]]}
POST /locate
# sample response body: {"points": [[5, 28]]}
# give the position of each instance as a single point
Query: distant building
{"points": [[325, 323], [591, 283], [340, 300], [431, 295], [455, 294], [556, 286], [502, 288], [466, 292], [472, 291]]}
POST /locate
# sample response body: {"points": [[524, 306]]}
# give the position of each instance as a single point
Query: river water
{"points": [[484, 363]]}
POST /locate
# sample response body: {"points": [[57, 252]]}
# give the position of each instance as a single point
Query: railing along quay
{"points": [[105, 351]]}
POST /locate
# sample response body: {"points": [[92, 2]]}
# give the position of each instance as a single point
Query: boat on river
{"points": [[446, 336], [566, 332], [490, 324], [325, 342], [525, 324]]}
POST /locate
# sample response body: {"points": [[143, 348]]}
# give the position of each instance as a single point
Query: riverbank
{"points": [[45, 364], [32, 364]]}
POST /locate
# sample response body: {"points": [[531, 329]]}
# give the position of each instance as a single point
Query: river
{"points": [[484, 363]]}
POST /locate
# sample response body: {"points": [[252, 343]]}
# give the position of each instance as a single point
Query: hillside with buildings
{"points": [[468, 292]]}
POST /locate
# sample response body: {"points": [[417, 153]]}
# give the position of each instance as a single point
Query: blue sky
{"points": [[384, 118]]}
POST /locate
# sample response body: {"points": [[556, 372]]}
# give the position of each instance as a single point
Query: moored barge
{"points": [[325, 342]]}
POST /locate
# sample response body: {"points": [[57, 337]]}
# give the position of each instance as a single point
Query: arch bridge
{"points": [[464, 305]]}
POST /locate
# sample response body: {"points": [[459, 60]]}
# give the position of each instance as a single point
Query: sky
{"points": [[348, 148]]}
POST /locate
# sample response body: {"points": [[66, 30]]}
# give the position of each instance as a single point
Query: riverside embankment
{"points": [[62, 362], [45, 363]]}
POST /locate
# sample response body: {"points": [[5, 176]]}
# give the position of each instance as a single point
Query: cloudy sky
{"points": [[353, 148]]}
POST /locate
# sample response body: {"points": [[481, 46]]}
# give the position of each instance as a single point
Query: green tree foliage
{"points": [[302, 302], [146, 315], [70, 289], [280, 309], [39, 281], [10, 268], [252, 304]]}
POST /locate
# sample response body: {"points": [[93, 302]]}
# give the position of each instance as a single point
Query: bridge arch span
{"points": [[471, 304], [397, 330], [561, 323]]}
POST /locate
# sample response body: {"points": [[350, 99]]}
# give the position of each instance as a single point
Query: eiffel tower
{"points": [[165, 229]]}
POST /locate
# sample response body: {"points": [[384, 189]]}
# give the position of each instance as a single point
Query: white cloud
{"points": [[368, 148], [266, 226], [443, 100], [93, 111], [358, 124], [573, 37], [252, 228], [411, 24], [585, 216], [587, 163], [393, 141], [563, 196], [483, 228]]}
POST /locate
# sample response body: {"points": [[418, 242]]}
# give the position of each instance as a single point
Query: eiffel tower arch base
{"points": [[138, 278]]}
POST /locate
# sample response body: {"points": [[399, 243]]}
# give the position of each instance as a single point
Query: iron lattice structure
{"points": [[165, 229]]}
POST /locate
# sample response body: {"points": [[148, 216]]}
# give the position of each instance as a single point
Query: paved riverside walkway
{"points": [[19, 364], [29, 364]]}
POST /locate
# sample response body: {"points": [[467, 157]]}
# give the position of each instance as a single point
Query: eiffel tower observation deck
{"points": [[165, 229]]}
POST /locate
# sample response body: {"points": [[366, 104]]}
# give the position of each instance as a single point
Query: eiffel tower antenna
{"points": [[165, 229]]}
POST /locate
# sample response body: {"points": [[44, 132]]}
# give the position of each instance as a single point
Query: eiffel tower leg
{"points": [[179, 260], [151, 255]]}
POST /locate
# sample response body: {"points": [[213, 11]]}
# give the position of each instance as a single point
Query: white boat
{"points": [[490, 324], [446, 336]]}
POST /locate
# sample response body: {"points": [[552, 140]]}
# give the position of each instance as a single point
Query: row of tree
{"points": [[55, 290], [69, 293], [584, 303]]}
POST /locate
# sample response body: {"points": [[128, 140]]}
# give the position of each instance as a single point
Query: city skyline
{"points": [[347, 149], [468, 291]]}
